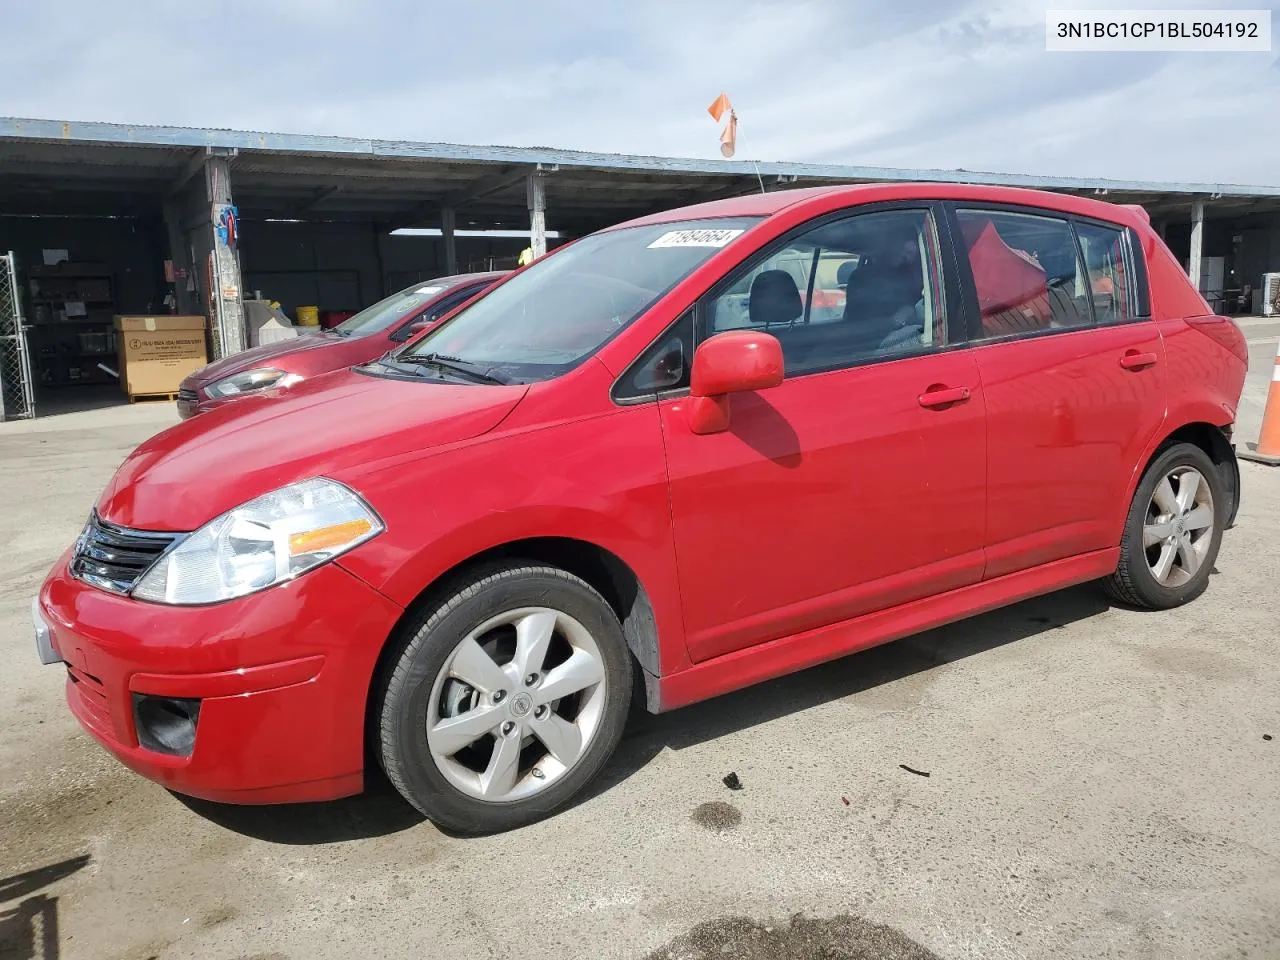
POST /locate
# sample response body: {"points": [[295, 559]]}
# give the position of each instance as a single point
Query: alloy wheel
{"points": [[1178, 528], [516, 704]]}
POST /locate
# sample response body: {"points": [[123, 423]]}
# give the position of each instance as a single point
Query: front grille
{"points": [[189, 396], [113, 558]]}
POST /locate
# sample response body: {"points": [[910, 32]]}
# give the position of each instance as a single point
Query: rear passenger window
{"points": [[862, 288], [1110, 283], [1027, 272]]}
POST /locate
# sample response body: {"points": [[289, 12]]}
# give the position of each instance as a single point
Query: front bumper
{"points": [[282, 678]]}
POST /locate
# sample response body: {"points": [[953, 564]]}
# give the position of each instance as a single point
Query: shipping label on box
{"points": [[177, 345], [157, 353]]}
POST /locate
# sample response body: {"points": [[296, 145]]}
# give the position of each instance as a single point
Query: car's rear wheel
{"points": [[506, 699], [1173, 531]]}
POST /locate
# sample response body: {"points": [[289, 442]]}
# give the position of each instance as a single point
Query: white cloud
{"points": [[930, 84]]}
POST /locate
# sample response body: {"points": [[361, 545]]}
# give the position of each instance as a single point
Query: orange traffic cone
{"points": [[1267, 449]]}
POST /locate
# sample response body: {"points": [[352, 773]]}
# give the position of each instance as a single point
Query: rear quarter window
{"points": [[1108, 254]]}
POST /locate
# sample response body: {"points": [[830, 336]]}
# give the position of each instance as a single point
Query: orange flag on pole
{"points": [[718, 107]]}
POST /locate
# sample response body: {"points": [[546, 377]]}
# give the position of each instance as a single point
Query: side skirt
{"points": [[741, 668]]}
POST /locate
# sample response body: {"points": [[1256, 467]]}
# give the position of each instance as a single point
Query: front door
{"points": [[858, 483], [1072, 372]]}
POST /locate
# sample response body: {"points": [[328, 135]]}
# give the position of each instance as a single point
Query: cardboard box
{"points": [[156, 353]]}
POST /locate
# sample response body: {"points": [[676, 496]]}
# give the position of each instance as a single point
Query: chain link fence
{"points": [[16, 395]]}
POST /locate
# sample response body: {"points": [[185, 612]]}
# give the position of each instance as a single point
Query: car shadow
{"points": [[648, 734], [380, 811]]}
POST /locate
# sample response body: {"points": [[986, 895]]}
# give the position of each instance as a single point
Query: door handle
{"points": [[1133, 360], [943, 396]]}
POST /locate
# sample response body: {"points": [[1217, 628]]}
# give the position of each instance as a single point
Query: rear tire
{"points": [[1173, 531], [506, 698]]}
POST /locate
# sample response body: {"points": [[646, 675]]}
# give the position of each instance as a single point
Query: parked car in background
{"points": [[648, 459], [370, 333]]}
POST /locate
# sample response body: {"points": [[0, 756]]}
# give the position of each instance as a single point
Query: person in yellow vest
{"points": [[526, 257]]}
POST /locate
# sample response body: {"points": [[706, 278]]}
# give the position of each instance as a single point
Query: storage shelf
{"points": [[54, 324], [60, 301]]}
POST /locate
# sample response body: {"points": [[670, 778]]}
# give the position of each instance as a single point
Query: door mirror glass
{"points": [[735, 362]]}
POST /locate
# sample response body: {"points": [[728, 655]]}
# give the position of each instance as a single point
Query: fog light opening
{"points": [[166, 724]]}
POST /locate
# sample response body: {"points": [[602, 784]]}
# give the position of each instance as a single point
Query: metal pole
{"points": [[537, 191], [226, 294], [448, 220], [1197, 242]]}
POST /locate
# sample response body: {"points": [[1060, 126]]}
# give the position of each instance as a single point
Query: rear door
{"points": [[856, 485], [1072, 370]]}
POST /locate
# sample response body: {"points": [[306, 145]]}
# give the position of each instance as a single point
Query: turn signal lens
{"points": [[328, 538]]}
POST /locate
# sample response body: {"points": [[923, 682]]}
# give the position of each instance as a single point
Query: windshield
{"points": [[384, 313], [548, 318]]}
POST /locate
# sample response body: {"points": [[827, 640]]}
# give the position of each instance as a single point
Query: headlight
{"points": [[250, 380], [266, 541]]}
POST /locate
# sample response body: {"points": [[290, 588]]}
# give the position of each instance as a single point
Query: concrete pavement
{"points": [[1099, 785]]}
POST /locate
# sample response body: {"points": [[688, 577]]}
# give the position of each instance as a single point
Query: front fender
{"points": [[601, 480]]}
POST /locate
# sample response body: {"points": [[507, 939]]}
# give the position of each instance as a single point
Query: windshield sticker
{"points": [[694, 238], [428, 290]]}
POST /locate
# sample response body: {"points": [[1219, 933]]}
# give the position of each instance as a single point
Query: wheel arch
{"points": [[602, 569], [1214, 439]]}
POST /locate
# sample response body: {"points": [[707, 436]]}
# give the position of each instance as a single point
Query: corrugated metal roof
{"points": [[79, 132]]}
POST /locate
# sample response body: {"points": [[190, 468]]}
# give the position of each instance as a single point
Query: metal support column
{"points": [[449, 220], [224, 265], [1197, 242], [537, 195]]}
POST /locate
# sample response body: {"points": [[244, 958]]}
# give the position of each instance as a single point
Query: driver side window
{"points": [[861, 288]]}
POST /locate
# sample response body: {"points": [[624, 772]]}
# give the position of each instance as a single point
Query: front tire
{"points": [[1173, 531], [505, 699]]}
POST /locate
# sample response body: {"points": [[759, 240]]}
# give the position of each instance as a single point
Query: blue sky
{"points": [[921, 83]]}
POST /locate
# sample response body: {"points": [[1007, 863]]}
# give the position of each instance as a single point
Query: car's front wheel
{"points": [[1173, 531], [506, 698]]}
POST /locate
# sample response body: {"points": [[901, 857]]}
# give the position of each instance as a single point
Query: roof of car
{"points": [[768, 204], [454, 279]]}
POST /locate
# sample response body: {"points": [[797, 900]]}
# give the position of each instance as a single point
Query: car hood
{"points": [[192, 472], [262, 355]]}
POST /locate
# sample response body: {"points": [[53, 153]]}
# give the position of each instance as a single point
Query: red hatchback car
{"points": [[651, 458], [370, 333]]}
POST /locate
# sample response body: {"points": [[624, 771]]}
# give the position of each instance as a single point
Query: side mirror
{"points": [[728, 363], [410, 330]]}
